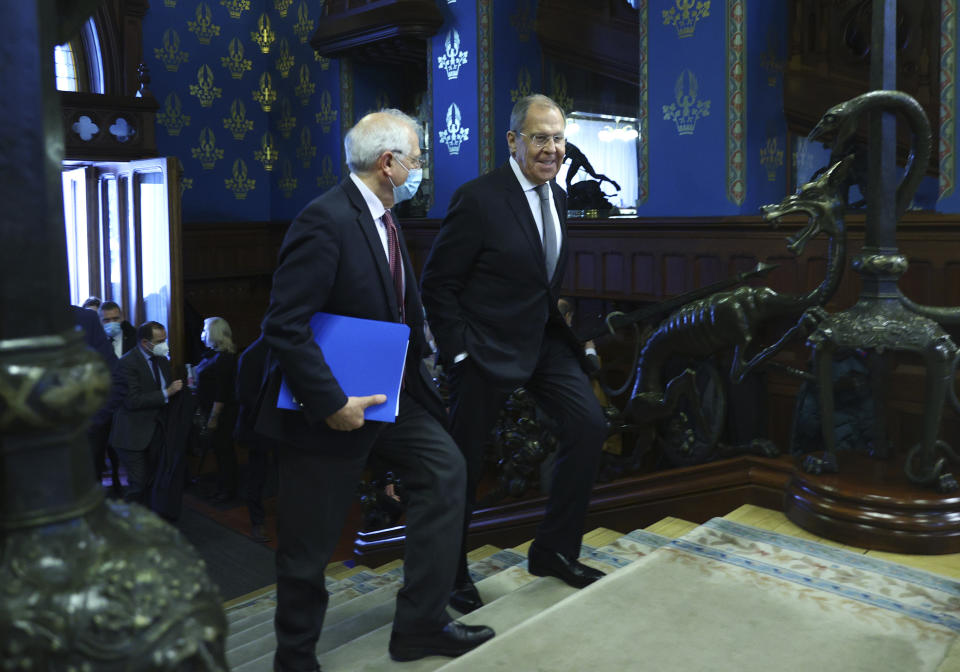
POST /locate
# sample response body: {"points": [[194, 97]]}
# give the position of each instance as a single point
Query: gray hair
{"points": [[519, 113], [220, 333], [376, 133]]}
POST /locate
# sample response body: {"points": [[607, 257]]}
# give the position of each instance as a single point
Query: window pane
{"points": [[154, 229], [113, 262], [75, 221], [66, 67]]}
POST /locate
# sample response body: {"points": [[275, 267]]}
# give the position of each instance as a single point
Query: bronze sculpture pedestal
{"points": [[872, 504]]}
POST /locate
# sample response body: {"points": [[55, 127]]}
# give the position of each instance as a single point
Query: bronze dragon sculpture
{"points": [[889, 320], [731, 319]]}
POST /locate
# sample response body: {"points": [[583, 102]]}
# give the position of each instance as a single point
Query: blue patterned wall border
{"points": [[346, 107], [736, 38], [643, 110], [948, 96], [485, 82]]}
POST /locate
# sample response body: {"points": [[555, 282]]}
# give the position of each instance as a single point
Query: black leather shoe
{"points": [[465, 598], [454, 640], [552, 563]]}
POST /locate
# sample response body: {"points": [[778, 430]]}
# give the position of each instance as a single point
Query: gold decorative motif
{"points": [[322, 60], [559, 92], [305, 88], [170, 3], [204, 89], [264, 35], [38, 391], [282, 6], [687, 110], [207, 153], [771, 158], [204, 27], [685, 15], [523, 85], [265, 94], [287, 122], [171, 117], [382, 101], [522, 21], [240, 184], [237, 123], [306, 151], [70, 590], [236, 7], [285, 59], [326, 179], [185, 183], [170, 54], [769, 62], [327, 115], [303, 28], [287, 183], [268, 152], [235, 62]]}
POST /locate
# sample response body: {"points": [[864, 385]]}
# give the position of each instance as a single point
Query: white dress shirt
{"points": [[376, 211], [533, 200]]}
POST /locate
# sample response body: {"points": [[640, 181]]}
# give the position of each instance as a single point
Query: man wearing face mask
{"points": [[121, 333], [344, 254], [144, 383]]}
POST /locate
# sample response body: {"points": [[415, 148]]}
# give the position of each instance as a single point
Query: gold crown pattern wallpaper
{"points": [[250, 109]]}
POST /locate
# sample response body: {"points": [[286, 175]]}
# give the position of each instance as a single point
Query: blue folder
{"points": [[365, 356]]}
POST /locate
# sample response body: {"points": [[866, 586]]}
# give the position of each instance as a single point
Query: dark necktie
{"points": [[396, 267], [155, 362], [550, 249]]}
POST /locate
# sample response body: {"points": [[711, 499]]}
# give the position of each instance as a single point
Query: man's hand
{"points": [[175, 387], [350, 415]]}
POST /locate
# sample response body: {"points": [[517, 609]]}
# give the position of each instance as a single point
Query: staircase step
{"points": [[358, 622], [672, 527]]}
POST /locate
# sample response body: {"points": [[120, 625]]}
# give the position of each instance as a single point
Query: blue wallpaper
{"points": [[245, 104], [255, 116], [456, 153]]}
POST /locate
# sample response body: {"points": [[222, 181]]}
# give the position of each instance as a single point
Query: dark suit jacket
{"points": [[332, 260], [129, 336], [142, 402], [250, 369], [485, 283]]}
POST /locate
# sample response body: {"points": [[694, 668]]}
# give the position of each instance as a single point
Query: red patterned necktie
{"points": [[396, 267]]}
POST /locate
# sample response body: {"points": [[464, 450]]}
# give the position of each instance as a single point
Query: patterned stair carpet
{"points": [[727, 596]]}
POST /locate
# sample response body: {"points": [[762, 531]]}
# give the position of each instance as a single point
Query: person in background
{"points": [[215, 376], [144, 383], [120, 332], [93, 303], [251, 366]]}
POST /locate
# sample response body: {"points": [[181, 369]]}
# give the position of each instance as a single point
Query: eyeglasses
{"points": [[419, 161], [540, 141]]}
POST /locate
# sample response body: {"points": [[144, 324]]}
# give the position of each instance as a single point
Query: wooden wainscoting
{"points": [[227, 272]]}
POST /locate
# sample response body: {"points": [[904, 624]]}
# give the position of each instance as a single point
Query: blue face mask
{"points": [[113, 329], [406, 190]]}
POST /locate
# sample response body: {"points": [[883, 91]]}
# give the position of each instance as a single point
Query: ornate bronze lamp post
{"points": [[84, 584]]}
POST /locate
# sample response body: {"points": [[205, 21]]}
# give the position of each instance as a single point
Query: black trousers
{"points": [[316, 492], [141, 467], [258, 472], [562, 391]]}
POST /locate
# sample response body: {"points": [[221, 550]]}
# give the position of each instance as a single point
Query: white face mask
{"points": [[161, 349]]}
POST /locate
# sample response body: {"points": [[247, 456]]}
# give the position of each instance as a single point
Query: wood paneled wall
{"points": [[228, 267]]}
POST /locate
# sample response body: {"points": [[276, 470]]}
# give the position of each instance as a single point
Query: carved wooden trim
{"points": [[93, 128], [380, 30], [692, 493]]}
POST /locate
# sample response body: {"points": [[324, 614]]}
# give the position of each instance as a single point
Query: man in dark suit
{"points": [[144, 384], [122, 338], [122, 334], [490, 287], [344, 255]]}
